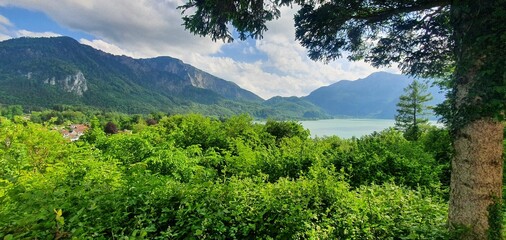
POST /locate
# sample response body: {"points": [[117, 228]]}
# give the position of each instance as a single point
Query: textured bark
{"points": [[476, 179]]}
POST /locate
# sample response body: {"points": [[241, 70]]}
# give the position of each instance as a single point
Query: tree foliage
{"points": [[412, 110]]}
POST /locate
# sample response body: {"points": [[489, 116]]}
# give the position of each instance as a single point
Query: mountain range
{"points": [[375, 96], [44, 72]]}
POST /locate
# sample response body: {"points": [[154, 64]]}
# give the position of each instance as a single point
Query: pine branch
{"points": [[384, 14]]}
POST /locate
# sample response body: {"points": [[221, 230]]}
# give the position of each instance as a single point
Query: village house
{"points": [[74, 132]]}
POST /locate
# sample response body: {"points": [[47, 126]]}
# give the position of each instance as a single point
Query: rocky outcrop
{"points": [[201, 79], [76, 84]]}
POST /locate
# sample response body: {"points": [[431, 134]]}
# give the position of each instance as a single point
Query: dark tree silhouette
{"points": [[151, 122], [110, 128]]}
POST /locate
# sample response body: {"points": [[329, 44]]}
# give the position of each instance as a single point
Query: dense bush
{"points": [[195, 177], [385, 157]]}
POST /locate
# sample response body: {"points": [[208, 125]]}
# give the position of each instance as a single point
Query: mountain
{"points": [[375, 96], [42, 72], [47, 72]]}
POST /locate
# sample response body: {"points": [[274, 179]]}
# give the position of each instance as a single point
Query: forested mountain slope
{"points": [[46, 71]]}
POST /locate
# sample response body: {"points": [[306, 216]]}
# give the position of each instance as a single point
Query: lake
{"points": [[347, 128]]}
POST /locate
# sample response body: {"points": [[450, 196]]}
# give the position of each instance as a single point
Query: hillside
{"points": [[41, 72], [375, 96], [288, 107]]}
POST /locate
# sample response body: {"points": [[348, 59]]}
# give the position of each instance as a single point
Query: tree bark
{"points": [[477, 167], [476, 181]]}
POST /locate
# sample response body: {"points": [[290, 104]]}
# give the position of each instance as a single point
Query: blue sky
{"points": [[274, 66]]}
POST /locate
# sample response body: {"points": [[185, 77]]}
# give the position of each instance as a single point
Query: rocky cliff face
{"points": [[200, 79], [75, 84]]}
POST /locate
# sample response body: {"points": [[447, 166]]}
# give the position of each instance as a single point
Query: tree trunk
{"points": [[476, 181]]}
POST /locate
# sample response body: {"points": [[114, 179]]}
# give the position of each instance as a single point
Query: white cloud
{"points": [[247, 75], [26, 33], [106, 47], [4, 37], [249, 50], [4, 21], [4, 25], [147, 27]]}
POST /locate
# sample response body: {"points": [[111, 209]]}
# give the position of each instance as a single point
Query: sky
{"points": [[276, 65]]}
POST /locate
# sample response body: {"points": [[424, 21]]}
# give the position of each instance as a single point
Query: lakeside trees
{"points": [[429, 38]]}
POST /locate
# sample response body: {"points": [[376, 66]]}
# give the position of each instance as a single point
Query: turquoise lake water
{"points": [[347, 128]]}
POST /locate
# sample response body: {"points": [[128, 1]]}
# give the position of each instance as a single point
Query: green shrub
{"points": [[191, 177], [286, 129], [386, 157], [126, 148]]}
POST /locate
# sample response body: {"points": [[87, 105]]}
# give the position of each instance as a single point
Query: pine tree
{"points": [[412, 110]]}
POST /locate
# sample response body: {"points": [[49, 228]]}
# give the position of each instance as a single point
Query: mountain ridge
{"points": [[374, 96], [42, 72]]}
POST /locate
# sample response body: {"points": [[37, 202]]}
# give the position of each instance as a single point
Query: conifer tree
{"points": [[412, 110]]}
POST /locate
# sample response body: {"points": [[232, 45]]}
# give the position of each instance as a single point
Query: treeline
{"points": [[281, 109], [190, 176], [66, 115]]}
